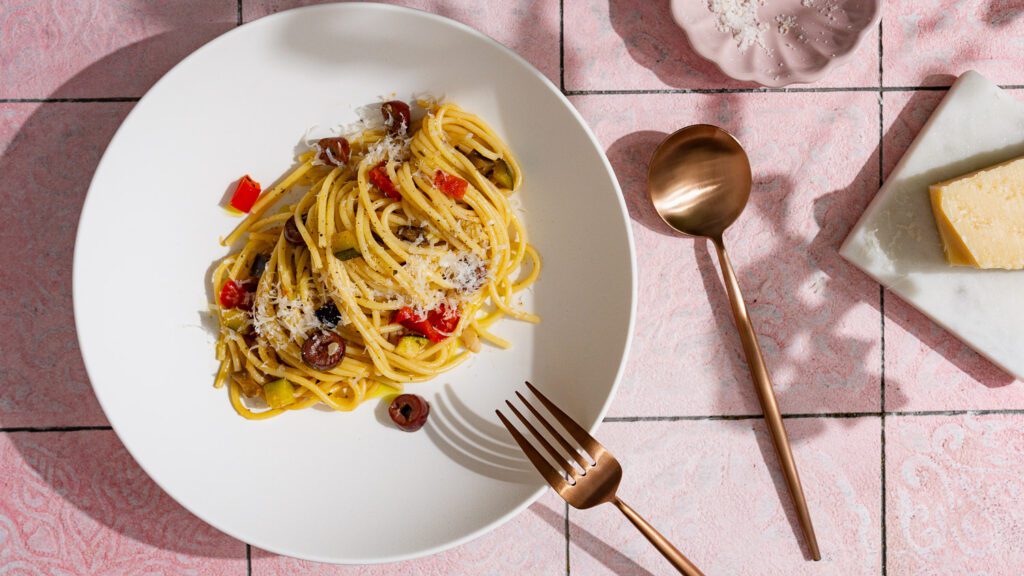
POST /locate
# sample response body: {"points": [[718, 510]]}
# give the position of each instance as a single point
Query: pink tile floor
{"points": [[911, 446]]}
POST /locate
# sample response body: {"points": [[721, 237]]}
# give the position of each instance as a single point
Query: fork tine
{"points": [[555, 434], [553, 477], [543, 442], [588, 442]]}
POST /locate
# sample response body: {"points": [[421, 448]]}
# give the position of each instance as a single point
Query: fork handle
{"points": [[675, 557]]}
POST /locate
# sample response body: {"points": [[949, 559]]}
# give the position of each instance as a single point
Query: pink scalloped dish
{"points": [[779, 42]]}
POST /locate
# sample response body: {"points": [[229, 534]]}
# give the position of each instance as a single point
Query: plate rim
{"points": [[77, 273]]}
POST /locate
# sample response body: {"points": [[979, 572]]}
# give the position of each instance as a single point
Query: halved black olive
{"points": [[334, 151], [328, 315], [409, 412], [323, 350], [397, 116], [259, 264]]}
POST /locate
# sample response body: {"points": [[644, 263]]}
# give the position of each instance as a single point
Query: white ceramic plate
{"points": [[347, 488]]}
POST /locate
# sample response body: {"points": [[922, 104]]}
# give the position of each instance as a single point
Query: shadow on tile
{"points": [[609, 555], [630, 156], [54, 155], [654, 41], [908, 318]]}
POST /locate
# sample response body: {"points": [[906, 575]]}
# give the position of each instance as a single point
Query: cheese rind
{"points": [[980, 217]]}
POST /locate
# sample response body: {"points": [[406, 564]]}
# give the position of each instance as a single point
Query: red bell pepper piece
{"points": [[246, 193], [450, 184], [438, 324], [444, 319], [231, 295], [379, 177], [238, 294]]}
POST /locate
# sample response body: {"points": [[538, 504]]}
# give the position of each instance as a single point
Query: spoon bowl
{"points": [[699, 180]]}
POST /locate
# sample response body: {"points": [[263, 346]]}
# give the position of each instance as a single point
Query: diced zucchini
{"points": [[348, 254], [502, 174], [344, 240], [482, 164], [234, 318], [409, 346], [279, 393]]}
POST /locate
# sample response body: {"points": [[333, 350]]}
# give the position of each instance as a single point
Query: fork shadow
{"points": [[475, 443], [608, 555]]}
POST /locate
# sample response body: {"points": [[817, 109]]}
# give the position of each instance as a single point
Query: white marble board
{"points": [[896, 242]]}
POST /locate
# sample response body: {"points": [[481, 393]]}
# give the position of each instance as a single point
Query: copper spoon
{"points": [[699, 181]]}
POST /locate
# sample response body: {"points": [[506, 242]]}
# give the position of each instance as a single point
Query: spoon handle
{"points": [[766, 395]]}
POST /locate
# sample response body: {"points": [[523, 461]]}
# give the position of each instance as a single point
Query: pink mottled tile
{"points": [[713, 495], [529, 27], [953, 494], [903, 116], [815, 164], [101, 48], [926, 367], [627, 45], [49, 154], [531, 543], [76, 503], [930, 43]]}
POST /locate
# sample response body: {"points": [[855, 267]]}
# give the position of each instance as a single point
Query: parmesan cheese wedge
{"points": [[980, 217]]}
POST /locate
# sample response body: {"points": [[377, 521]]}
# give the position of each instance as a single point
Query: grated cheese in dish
{"points": [[739, 18]]}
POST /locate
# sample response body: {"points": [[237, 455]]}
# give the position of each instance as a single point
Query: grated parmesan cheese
{"points": [[786, 23], [297, 316], [739, 18], [467, 271]]}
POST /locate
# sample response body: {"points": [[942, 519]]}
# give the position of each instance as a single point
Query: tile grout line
{"points": [[812, 415], [75, 100], [884, 89], [36, 429], [881, 300], [627, 419], [568, 565], [796, 90], [561, 45]]}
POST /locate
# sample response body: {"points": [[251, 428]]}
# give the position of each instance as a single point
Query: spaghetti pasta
{"points": [[400, 253]]}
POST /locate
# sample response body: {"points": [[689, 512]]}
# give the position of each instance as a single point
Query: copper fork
{"points": [[590, 484]]}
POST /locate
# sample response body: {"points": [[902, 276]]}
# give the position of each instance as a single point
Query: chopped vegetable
{"points": [[250, 388], [259, 264], [483, 165], [438, 324], [279, 393], [471, 339], [409, 233], [411, 346], [344, 240], [379, 177], [397, 117], [409, 412], [231, 295], [444, 319], [348, 254], [334, 151], [502, 174], [450, 184], [246, 193], [328, 315], [234, 319]]}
